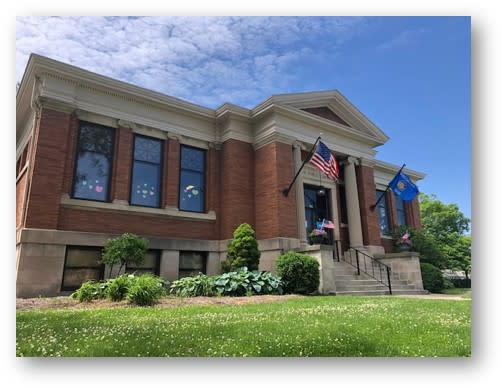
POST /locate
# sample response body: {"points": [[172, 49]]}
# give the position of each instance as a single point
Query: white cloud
{"points": [[406, 38], [207, 60]]}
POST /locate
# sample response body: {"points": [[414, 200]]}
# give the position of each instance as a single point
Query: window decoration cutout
{"points": [[146, 173], [192, 179], [94, 161]]}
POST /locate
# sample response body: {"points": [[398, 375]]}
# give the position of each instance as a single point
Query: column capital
{"points": [[352, 160], [367, 162]]}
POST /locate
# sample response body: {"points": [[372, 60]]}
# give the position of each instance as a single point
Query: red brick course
{"points": [[275, 214], [237, 186], [122, 163], [48, 171], [171, 174], [367, 197]]}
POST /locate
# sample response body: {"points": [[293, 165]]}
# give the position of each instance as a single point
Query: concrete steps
{"points": [[348, 282]]}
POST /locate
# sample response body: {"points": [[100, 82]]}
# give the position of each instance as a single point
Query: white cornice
{"points": [[389, 170], [87, 79]]}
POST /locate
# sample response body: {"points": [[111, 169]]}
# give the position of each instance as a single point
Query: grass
{"points": [[310, 326], [465, 293]]}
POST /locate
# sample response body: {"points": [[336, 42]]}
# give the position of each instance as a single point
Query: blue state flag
{"points": [[403, 187]]}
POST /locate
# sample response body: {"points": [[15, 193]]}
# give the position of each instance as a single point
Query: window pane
{"points": [[192, 191], [401, 218], [382, 213], [191, 263], [145, 189], [91, 180], [77, 257], [81, 265], [192, 159], [147, 150], [150, 265], [75, 277], [95, 138], [94, 159]]}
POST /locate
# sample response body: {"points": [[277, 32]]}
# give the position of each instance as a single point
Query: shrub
{"points": [[126, 249], [200, 285], [244, 282], [242, 250], [90, 290], [432, 278], [146, 290], [117, 288], [299, 273]]}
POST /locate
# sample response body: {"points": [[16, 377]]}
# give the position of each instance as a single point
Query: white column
{"points": [[300, 199], [352, 199]]}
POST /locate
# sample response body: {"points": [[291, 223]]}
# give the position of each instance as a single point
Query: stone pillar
{"points": [[352, 198], [169, 264], [300, 199]]}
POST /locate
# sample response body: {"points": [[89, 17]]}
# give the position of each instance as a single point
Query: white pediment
{"points": [[330, 106]]}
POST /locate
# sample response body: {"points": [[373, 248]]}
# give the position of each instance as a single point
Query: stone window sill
{"points": [[123, 206]]}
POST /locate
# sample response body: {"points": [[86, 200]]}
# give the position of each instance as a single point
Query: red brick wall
{"points": [[122, 161], [275, 214], [171, 173], [237, 186], [143, 225], [71, 151], [412, 210], [50, 142], [367, 197]]}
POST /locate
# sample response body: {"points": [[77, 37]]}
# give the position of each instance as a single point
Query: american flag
{"points": [[324, 160]]}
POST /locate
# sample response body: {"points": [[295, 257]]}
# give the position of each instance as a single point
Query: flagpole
{"points": [[286, 191], [372, 207]]}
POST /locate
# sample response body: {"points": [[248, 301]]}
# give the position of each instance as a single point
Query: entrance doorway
{"points": [[317, 209]]}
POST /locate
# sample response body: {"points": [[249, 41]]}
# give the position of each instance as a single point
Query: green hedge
{"points": [[432, 278], [299, 273]]}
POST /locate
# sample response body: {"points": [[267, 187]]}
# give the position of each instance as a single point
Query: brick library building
{"points": [[97, 157]]}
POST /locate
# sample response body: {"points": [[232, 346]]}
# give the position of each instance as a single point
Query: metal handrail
{"points": [[383, 278]]}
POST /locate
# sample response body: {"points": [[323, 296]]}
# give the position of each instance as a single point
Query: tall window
{"points": [[94, 162], [192, 179], [383, 213], [146, 171], [81, 264], [401, 213]]}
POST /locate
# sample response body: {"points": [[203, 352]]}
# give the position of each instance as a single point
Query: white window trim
{"points": [[124, 207]]}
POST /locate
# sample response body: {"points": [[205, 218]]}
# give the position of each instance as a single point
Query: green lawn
{"points": [[310, 326]]}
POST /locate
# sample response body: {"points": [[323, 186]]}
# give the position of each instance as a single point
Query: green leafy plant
{"points": [[199, 285], [117, 288], [432, 278], [244, 282], [90, 290], [299, 273], [126, 249], [146, 290], [242, 250]]}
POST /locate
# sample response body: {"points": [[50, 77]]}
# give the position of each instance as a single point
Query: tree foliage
{"points": [[242, 250], [127, 249], [445, 225]]}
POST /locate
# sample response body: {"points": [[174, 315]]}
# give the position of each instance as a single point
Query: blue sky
{"points": [[409, 75]]}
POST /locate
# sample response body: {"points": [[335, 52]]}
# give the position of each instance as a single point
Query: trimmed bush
{"points": [[299, 273], [432, 278], [242, 250], [146, 290], [90, 290], [200, 285]]}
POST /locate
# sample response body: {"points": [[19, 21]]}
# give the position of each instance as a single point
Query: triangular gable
{"points": [[326, 113], [329, 105]]}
